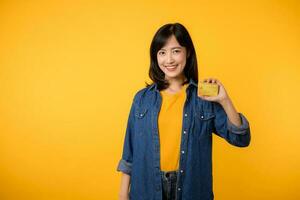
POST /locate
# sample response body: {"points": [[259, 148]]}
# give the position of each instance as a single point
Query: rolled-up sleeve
{"points": [[125, 164], [236, 135], [241, 129]]}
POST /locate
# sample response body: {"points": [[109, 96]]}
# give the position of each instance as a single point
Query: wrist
{"points": [[123, 196], [225, 102]]}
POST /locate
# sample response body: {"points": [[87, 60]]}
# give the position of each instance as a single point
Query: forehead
{"points": [[172, 43]]}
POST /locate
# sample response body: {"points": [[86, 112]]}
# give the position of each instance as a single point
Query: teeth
{"points": [[172, 67]]}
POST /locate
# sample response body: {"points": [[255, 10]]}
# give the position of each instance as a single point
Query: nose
{"points": [[170, 58]]}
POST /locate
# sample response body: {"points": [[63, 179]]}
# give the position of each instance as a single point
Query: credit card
{"points": [[208, 89]]}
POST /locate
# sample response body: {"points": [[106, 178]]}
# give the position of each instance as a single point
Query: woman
{"points": [[168, 142]]}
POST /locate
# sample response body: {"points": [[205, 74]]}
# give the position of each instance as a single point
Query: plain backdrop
{"points": [[69, 71]]}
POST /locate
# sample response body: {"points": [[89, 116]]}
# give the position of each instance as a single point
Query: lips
{"points": [[171, 68]]}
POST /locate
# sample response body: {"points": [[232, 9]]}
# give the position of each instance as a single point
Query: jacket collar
{"points": [[191, 83]]}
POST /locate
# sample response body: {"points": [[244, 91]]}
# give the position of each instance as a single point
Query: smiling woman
{"points": [[170, 145], [69, 69], [172, 57]]}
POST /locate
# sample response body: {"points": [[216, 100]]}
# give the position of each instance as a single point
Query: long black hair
{"points": [[159, 40]]}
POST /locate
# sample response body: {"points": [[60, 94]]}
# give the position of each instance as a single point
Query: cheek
{"points": [[159, 60], [162, 69], [182, 59], [160, 63]]}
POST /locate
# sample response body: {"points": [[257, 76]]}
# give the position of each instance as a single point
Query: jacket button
{"points": [[202, 116], [181, 171], [182, 152], [185, 115], [179, 189], [184, 132]]}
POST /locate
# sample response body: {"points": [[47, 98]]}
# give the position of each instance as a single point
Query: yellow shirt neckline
{"points": [[169, 95]]}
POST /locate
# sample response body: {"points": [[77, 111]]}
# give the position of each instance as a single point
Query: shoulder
{"points": [[142, 93]]}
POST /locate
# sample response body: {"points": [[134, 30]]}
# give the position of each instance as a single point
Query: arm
{"points": [[124, 189], [125, 163], [228, 123], [231, 112]]}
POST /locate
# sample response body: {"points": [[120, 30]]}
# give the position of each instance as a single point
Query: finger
{"points": [[213, 80], [208, 98], [219, 83], [202, 97]]}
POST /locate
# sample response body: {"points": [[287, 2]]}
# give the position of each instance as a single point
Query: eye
{"points": [[161, 53], [176, 51]]}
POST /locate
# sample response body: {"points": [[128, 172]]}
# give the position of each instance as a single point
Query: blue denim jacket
{"points": [[141, 150]]}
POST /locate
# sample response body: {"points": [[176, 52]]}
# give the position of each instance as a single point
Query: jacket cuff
{"points": [[124, 167], [241, 129]]}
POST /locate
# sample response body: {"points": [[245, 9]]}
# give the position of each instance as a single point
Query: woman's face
{"points": [[171, 59]]}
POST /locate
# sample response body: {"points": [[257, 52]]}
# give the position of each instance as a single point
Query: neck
{"points": [[176, 84]]}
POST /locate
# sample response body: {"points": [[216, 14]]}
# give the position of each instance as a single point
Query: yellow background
{"points": [[69, 70]]}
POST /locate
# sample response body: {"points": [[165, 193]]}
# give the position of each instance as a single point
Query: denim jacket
{"points": [[141, 150]]}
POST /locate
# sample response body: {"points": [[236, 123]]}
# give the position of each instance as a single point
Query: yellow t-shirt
{"points": [[170, 127]]}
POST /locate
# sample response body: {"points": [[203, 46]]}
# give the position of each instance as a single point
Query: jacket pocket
{"points": [[141, 112], [142, 121], [204, 123], [204, 116]]}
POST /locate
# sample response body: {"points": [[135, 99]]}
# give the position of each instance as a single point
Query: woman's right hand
{"points": [[123, 197]]}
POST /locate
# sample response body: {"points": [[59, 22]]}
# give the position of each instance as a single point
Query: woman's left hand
{"points": [[222, 95]]}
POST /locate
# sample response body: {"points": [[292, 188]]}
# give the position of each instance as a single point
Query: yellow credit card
{"points": [[208, 89]]}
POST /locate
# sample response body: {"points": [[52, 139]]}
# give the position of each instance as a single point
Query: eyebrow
{"points": [[172, 48]]}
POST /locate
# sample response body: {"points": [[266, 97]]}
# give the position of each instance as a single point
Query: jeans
{"points": [[169, 179]]}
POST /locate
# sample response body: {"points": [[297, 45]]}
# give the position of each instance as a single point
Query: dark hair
{"points": [[159, 40]]}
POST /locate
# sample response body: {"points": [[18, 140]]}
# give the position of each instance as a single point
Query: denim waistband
{"points": [[169, 174]]}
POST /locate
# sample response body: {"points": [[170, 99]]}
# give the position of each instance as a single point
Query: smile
{"points": [[171, 67]]}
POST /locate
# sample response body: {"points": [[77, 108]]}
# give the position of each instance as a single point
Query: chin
{"points": [[172, 75]]}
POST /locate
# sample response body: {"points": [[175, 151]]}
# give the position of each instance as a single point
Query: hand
{"points": [[123, 197], [222, 95]]}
